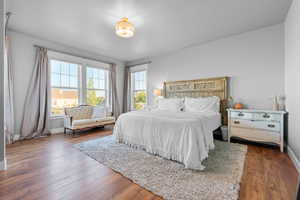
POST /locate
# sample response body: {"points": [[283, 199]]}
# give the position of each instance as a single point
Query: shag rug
{"points": [[169, 179]]}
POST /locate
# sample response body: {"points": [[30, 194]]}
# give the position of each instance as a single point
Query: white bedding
{"points": [[182, 136]]}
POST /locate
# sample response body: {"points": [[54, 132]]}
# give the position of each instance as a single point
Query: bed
{"points": [[186, 137]]}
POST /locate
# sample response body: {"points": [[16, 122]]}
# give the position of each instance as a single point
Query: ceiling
{"points": [[162, 26]]}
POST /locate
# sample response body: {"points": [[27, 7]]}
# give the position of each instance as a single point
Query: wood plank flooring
{"points": [[50, 168]]}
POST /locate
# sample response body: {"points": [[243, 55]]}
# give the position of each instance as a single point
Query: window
{"points": [[64, 86], [139, 89], [76, 81], [96, 81]]}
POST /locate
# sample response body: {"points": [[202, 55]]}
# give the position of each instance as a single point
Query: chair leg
{"points": [[65, 131], [73, 132]]}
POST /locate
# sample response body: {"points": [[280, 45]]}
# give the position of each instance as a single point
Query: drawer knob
{"points": [[241, 114], [236, 122], [271, 125], [266, 115]]}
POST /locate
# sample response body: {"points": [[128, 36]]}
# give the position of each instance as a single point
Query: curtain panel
{"points": [[9, 126], [127, 90], [36, 109], [115, 105]]}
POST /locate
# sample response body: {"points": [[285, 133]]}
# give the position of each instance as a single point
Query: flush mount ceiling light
{"points": [[124, 28]]}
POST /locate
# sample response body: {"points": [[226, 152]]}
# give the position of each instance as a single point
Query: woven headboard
{"points": [[200, 88]]}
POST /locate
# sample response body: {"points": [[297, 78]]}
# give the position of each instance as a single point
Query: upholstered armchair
{"points": [[84, 117]]}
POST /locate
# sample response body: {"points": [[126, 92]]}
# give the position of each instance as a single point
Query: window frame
{"points": [[106, 86], [139, 68], [82, 77], [70, 88]]}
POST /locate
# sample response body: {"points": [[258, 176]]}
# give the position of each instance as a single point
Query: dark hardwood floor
{"points": [[50, 168]]}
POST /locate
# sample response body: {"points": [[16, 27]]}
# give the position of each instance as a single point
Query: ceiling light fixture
{"points": [[124, 28]]}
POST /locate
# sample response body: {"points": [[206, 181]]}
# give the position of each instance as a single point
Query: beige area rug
{"points": [[169, 179]]}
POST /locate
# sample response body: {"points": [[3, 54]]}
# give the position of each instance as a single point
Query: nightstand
{"points": [[257, 125]]}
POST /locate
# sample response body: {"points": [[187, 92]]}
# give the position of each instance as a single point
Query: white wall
{"points": [[254, 61], [23, 54], [292, 75]]}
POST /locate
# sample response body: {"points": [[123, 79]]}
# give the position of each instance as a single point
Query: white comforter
{"points": [[182, 136]]}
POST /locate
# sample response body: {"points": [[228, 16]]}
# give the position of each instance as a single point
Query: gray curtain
{"points": [[35, 116], [127, 89], [8, 96], [115, 105]]}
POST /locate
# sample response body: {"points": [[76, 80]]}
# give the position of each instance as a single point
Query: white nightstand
{"points": [[257, 125]]}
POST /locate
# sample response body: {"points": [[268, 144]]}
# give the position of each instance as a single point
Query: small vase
{"points": [[275, 104], [281, 103]]}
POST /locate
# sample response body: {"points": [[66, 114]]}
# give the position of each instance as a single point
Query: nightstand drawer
{"points": [[265, 125], [267, 116], [241, 115]]}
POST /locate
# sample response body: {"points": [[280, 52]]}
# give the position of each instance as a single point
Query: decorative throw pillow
{"points": [[99, 112], [202, 104], [80, 112], [172, 104]]}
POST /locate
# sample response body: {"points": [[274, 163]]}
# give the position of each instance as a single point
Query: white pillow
{"points": [[202, 104], [172, 104], [99, 112], [151, 107]]}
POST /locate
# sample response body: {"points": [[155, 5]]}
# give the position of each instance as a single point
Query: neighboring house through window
{"points": [[77, 81], [138, 87]]}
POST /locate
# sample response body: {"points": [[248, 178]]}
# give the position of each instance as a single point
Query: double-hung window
{"points": [[64, 85], [97, 86], [77, 81], [138, 89]]}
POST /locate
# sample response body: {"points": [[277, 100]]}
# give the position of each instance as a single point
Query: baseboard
{"points": [[56, 130], [294, 158], [3, 165]]}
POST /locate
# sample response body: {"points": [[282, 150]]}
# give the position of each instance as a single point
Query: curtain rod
{"points": [[143, 63], [71, 54]]}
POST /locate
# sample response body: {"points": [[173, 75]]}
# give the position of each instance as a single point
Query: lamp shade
{"points": [[124, 28], [157, 92]]}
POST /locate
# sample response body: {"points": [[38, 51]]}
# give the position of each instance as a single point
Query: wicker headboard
{"points": [[200, 88]]}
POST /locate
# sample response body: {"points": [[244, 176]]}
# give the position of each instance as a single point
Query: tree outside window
{"points": [[96, 86], [139, 93], [95, 97], [140, 100]]}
